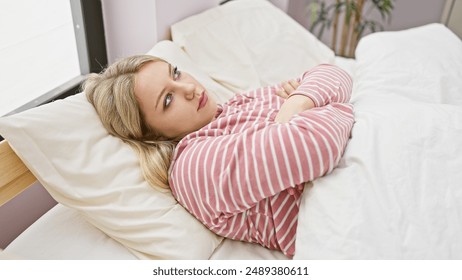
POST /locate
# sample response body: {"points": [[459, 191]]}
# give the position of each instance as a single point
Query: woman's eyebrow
{"points": [[163, 90]]}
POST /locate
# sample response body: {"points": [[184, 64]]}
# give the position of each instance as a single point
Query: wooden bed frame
{"points": [[15, 177]]}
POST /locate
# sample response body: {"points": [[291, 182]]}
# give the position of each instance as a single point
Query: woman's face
{"points": [[173, 102]]}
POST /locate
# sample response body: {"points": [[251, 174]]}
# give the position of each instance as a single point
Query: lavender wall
{"points": [[406, 14], [18, 214], [133, 27], [129, 27]]}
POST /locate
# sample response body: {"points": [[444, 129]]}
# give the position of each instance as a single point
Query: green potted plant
{"points": [[347, 20]]}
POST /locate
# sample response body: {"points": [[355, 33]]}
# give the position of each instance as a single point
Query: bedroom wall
{"points": [[406, 14], [18, 214], [133, 27]]}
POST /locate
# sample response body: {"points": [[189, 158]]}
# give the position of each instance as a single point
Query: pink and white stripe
{"points": [[242, 175]]}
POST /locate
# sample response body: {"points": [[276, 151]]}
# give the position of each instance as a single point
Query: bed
{"points": [[396, 193]]}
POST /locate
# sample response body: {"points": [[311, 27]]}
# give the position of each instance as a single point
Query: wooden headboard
{"points": [[15, 177]]}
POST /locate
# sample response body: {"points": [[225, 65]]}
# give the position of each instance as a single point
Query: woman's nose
{"points": [[188, 89]]}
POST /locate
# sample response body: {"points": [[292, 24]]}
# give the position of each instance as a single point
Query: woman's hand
{"points": [[292, 106], [287, 88]]}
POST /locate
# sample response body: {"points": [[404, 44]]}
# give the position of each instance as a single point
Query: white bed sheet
{"points": [[63, 234]]}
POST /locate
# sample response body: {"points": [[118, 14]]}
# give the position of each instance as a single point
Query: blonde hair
{"points": [[113, 96]]}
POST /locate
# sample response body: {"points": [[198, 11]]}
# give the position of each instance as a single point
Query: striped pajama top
{"points": [[243, 174]]}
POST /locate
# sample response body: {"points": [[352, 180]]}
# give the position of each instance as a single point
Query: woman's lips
{"points": [[202, 100]]}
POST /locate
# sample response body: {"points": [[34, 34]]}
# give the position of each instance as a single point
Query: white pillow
{"points": [[248, 44], [66, 147]]}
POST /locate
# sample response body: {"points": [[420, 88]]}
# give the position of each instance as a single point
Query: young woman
{"points": [[238, 167]]}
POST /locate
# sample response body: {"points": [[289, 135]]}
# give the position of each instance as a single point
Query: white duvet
{"points": [[397, 193]]}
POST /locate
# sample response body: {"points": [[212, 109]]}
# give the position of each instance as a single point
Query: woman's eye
{"points": [[168, 100], [176, 73]]}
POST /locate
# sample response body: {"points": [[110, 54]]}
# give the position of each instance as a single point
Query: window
{"points": [[43, 50]]}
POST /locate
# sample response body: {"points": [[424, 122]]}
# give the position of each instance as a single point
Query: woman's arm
{"points": [[267, 160], [321, 85], [292, 106]]}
